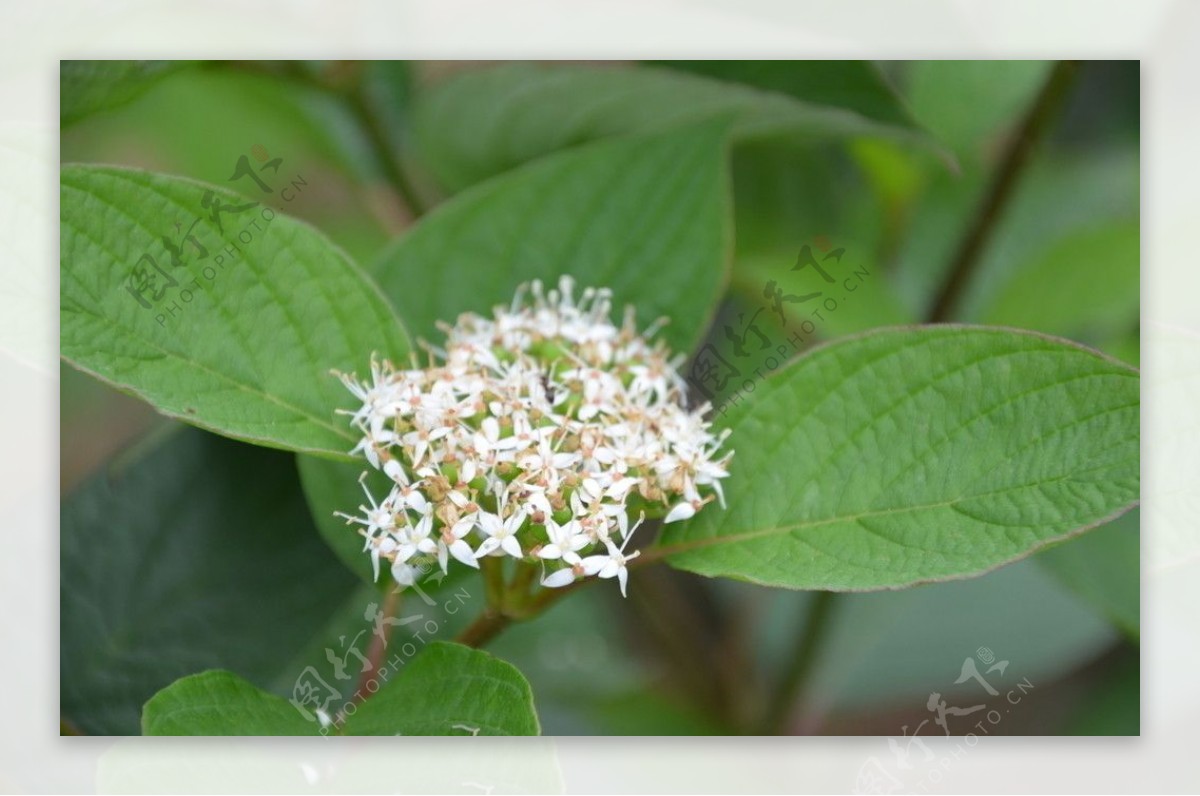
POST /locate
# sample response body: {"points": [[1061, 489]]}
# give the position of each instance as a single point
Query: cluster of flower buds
{"points": [[545, 433]]}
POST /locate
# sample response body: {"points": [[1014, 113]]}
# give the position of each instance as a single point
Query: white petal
{"points": [[716, 485], [489, 544], [558, 579], [593, 564], [511, 546], [591, 488], [610, 569], [395, 471], [550, 552], [462, 552], [623, 579], [462, 528], [403, 573], [683, 511]]}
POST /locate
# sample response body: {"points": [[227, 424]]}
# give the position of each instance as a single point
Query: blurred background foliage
{"points": [[374, 141]]}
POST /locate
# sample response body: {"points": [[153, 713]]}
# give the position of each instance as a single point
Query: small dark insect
{"points": [[548, 387]]}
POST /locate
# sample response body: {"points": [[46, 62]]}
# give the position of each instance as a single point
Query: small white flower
{"points": [[501, 534], [564, 540], [612, 564]]}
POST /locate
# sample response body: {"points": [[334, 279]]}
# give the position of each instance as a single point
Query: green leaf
{"points": [[448, 690], [196, 554], [86, 87], [481, 123], [645, 216], [909, 455], [1085, 285], [1104, 568], [263, 308], [221, 703], [857, 86]]}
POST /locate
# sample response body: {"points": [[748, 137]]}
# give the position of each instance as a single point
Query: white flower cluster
{"points": [[535, 434]]}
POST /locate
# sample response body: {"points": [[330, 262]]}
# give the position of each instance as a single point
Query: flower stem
{"points": [[379, 642], [493, 581], [496, 618], [483, 629], [517, 595], [1033, 128], [804, 655]]}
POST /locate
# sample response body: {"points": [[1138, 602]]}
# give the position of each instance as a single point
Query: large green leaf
{"points": [[644, 216], [448, 690], [197, 554], [262, 309], [487, 121], [910, 455], [89, 86], [221, 703]]}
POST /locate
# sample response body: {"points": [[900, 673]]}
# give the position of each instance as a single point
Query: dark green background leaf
{"points": [[484, 122], [965, 103], [857, 86], [197, 554], [86, 87]]}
